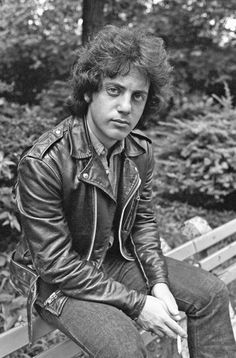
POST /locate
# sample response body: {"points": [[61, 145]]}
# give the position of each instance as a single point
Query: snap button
{"points": [[58, 132], [85, 175]]}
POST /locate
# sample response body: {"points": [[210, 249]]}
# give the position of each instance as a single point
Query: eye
{"points": [[139, 97], [113, 91]]}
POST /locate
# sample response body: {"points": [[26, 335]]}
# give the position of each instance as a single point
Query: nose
{"points": [[125, 104]]}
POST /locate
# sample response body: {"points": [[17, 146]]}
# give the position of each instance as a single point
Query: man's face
{"points": [[116, 109]]}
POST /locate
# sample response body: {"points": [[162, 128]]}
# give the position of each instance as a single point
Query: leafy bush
{"points": [[37, 44], [188, 107], [198, 157], [6, 168], [53, 99], [19, 127]]}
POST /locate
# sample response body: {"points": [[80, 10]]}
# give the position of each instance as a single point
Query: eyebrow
{"points": [[114, 83]]}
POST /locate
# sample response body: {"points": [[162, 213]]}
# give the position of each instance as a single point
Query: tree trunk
{"points": [[93, 18]]}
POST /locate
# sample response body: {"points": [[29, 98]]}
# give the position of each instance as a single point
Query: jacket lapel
{"points": [[94, 172]]}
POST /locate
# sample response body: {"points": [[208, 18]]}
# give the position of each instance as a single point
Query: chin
{"points": [[119, 135]]}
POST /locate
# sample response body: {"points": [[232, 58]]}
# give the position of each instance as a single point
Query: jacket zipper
{"points": [[121, 250], [121, 219], [132, 210], [95, 224], [140, 264]]}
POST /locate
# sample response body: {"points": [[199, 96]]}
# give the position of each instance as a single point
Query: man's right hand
{"points": [[155, 318]]}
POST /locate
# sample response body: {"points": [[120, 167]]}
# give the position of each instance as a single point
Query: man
{"points": [[84, 197]]}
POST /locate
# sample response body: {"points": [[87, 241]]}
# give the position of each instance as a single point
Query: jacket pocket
{"points": [[22, 277]]}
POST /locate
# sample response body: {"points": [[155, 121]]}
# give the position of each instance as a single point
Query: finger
{"points": [[157, 332], [176, 328], [173, 309], [167, 331], [176, 317]]}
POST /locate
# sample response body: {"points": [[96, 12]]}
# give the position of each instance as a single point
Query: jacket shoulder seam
{"points": [[47, 140], [44, 162]]}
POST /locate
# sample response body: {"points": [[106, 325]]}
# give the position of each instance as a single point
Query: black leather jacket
{"points": [[65, 200]]}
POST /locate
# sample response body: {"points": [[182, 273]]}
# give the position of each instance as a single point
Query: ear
{"points": [[87, 98]]}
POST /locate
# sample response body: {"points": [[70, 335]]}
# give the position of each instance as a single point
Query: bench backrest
{"points": [[17, 338], [216, 249]]}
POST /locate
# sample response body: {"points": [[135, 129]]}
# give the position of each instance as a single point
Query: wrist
{"points": [[157, 287]]}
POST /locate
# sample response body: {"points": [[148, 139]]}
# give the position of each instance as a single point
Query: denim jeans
{"points": [[103, 331]]}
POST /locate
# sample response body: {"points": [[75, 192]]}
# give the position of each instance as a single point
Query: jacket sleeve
{"points": [[145, 235], [39, 201]]}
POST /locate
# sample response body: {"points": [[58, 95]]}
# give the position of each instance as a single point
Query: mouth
{"points": [[121, 122]]}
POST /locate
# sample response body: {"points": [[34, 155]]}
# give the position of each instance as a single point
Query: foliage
{"points": [[37, 43], [201, 46], [189, 107], [52, 101], [8, 219], [9, 224], [38, 40], [19, 126], [199, 41], [198, 158], [171, 215], [6, 165]]}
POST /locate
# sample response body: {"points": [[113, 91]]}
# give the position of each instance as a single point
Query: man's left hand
{"points": [[162, 292]]}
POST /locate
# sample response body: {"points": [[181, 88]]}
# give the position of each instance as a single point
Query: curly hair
{"points": [[112, 52]]}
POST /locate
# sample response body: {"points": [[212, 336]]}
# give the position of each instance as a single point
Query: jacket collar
{"points": [[81, 146]]}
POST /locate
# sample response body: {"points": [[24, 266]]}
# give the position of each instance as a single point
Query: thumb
{"points": [[173, 309]]}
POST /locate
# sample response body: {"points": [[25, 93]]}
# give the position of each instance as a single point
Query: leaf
{"points": [[6, 298], [10, 322], [15, 224], [18, 302], [4, 215], [3, 260], [5, 273]]}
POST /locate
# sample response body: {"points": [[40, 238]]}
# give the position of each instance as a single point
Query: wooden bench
{"points": [[214, 251]]}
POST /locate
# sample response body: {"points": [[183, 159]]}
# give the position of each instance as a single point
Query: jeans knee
{"points": [[214, 296], [220, 289], [130, 345], [218, 295], [222, 293]]}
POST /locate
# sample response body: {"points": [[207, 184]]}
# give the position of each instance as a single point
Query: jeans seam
{"points": [[85, 349], [195, 334]]}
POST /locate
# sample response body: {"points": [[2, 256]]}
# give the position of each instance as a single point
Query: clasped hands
{"points": [[160, 313]]}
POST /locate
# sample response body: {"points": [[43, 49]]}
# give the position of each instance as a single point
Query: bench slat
{"points": [[218, 257], [12, 340], [182, 252], [204, 241], [64, 349], [17, 337], [229, 274], [216, 235]]}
